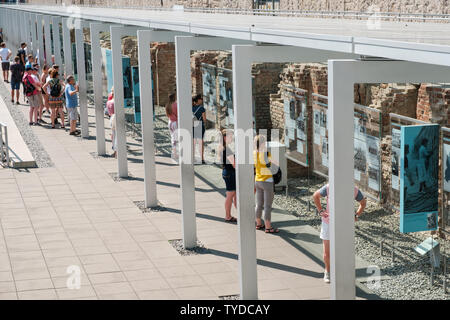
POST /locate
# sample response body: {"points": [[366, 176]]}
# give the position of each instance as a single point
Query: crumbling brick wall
{"points": [[267, 77], [164, 71], [433, 104]]}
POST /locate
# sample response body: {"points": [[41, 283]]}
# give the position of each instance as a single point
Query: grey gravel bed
{"points": [[178, 245], [41, 157], [409, 275]]}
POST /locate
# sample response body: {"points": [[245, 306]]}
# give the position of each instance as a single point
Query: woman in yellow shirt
{"points": [[263, 185]]}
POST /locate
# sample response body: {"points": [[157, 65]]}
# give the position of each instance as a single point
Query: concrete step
{"points": [[19, 154]]}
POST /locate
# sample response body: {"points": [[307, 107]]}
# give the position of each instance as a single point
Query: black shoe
{"points": [[17, 102], [30, 123], [12, 101]]}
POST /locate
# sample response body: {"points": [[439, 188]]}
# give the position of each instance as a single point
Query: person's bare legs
{"points": [[53, 116], [73, 125], [326, 254], [228, 203], [17, 95], [31, 114], [202, 148], [35, 112], [12, 95], [61, 115]]}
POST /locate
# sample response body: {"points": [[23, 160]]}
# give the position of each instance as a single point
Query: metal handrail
{"points": [[295, 13], [4, 147]]}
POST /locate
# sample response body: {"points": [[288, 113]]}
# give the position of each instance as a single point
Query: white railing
{"points": [[391, 16], [4, 148]]}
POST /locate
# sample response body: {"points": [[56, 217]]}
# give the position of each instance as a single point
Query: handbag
{"points": [[195, 121], [278, 174]]}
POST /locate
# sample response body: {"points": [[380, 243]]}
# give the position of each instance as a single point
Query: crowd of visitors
{"points": [[43, 90]]}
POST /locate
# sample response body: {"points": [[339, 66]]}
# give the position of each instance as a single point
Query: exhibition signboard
{"points": [[419, 178], [296, 125], [136, 94], [126, 69], [367, 156], [320, 134], [446, 178], [209, 91]]}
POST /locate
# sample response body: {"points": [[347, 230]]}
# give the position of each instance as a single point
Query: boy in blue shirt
{"points": [[71, 93]]}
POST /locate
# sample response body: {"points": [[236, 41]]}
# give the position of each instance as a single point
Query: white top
{"points": [[4, 52]]}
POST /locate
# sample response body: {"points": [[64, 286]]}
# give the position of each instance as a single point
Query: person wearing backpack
{"points": [[264, 185], [31, 90], [325, 214], [45, 93], [198, 123], [56, 98], [22, 53]]}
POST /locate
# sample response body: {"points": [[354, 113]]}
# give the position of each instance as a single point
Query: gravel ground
{"points": [[178, 245], [409, 274], [34, 145]]}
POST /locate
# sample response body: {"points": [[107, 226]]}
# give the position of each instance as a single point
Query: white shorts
{"points": [[325, 231]]}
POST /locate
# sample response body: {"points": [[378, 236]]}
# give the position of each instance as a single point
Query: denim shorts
{"points": [[15, 85], [230, 179]]}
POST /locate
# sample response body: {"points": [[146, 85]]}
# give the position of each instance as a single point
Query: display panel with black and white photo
{"points": [[367, 156], [209, 91], [320, 134], [446, 178], [419, 184], [226, 111], [296, 125]]}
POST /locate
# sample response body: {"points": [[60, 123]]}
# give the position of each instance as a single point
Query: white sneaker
{"points": [[326, 277]]}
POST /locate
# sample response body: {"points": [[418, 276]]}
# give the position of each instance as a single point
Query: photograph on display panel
{"points": [[127, 84], [226, 99], [446, 180], [446, 163], [209, 91], [296, 126], [136, 94], [367, 156], [320, 135], [419, 185]]}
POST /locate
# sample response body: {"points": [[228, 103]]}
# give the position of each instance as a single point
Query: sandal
{"points": [[261, 227], [272, 230], [232, 219]]}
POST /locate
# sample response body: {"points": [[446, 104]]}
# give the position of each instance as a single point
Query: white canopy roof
{"points": [[424, 42]]}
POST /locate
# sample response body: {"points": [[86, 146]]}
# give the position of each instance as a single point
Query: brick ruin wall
{"points": [[402, 6], [425, 102]]}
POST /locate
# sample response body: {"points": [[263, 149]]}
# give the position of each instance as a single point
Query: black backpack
{"points": [[55, 89], [28, 86]]}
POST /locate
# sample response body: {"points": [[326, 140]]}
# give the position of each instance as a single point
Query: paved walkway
{"points": [[75, 214]]}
